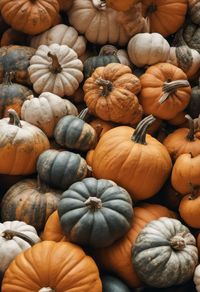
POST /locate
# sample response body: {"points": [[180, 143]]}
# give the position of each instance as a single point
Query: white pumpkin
{"points": [[196, 278], [46, 110], [61, 34], [56, 69], [15, 237], [148, 49]]}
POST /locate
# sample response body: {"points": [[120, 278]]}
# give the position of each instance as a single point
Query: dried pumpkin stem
{"points": [[14, 118], [93, 203], [108, 50], [9, 234], [139, 135], [190, 135], [178, 242], [171, 87], [99, 4], [83, 114], [55, 65], [106, 86]]}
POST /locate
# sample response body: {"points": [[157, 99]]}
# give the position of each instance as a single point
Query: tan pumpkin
{"points": [[61, 34], [56, 69], [148, 49], [28, 16], [46, 110]]}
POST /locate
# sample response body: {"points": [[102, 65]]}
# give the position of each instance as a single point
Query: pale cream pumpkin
{"points": [[56, 69], [61, 34], [148, 49], [46, 110]]}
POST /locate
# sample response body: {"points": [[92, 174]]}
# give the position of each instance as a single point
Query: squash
{"points": [[46, 110], [28, 16], [196, 278], [56, 69], [164, 16], [194, 10], [110, 94], [15, 237], [193, 108], [60, 169], [165, 253], [91, 205], [131, 157], [148, 49], [68, 268], [14, 37], [112, 283], [20, 145], [61, 34], [117, 257], [31, 201], [165, 91]]}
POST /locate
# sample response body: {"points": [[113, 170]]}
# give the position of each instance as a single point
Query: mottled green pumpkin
{"points": [[60, 169], [74, 133], [165, 253], [113, 284], [95, 212]]}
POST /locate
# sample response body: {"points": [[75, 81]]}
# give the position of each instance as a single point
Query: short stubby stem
{"points": [[55, 65], [105, 85], [93, 203], [177, 242]]}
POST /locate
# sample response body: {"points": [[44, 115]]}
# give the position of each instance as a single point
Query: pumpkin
{"points": [[179, 120], [147, 49], [60, 169], [15, 237], [91, 205], [46, 110], [65, 4], [186, 171], [20, 145], [194, 10], [131, 157], [14, 37], [68, 268], [16, 59], [113, 284], [165, 91], [164, 16], [52, 229], [56, 69], [101, 127], [121, 5], [61, 34], [117, 257], [165, 253], [110, 94], [120, 53], [30, 201], [31, 17], [74, 133], [12, 95], [193, 108], [196, 278], [185, 58]]}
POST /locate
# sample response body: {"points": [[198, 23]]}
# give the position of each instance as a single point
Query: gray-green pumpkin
{"points": [[60, 169], [74, 133], [113, 284], [95, 212], [165, 253]]}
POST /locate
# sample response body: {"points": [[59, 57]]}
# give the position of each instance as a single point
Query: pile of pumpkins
{"points": [[99, 145]]}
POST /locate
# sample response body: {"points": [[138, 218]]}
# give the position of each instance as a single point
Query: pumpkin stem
{"points": [[9, 234], [99, 4], [190, 135], [46, 289], [171, 87], [108, 50], [8, 77], [105, 85], [139, 135], [93, 203], [178, 242], [14, 118], [55, 65], [42, 186], [83, 114]]}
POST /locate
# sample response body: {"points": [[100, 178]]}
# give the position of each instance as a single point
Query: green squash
{"points": [[113, 284]]}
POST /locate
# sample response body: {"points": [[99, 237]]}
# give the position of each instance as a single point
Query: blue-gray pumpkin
{"points": [[95, 212], [113, 284]]}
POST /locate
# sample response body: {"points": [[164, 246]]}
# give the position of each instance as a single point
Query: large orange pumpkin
{"points": [[60, 267]]}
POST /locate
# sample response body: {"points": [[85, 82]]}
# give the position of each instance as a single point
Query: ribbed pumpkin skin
{"points": [[61, 169], [73, 133], [26, 201], [63, 267], [113, 284], [158, 256], [81, 221], [117, 257]]}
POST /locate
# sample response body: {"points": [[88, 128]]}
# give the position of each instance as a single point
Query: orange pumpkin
{"points": [[165, 91], [117, 257], [59, 267], [101, 126]]}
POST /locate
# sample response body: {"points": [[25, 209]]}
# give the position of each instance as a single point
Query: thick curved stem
{"points": [[14, 118], [170, 87], [106, 86], [99, 4], [139, 135], [9, 234], [178, 242], [55, 65], [83, 114], [190, 135], [93, 203]]}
